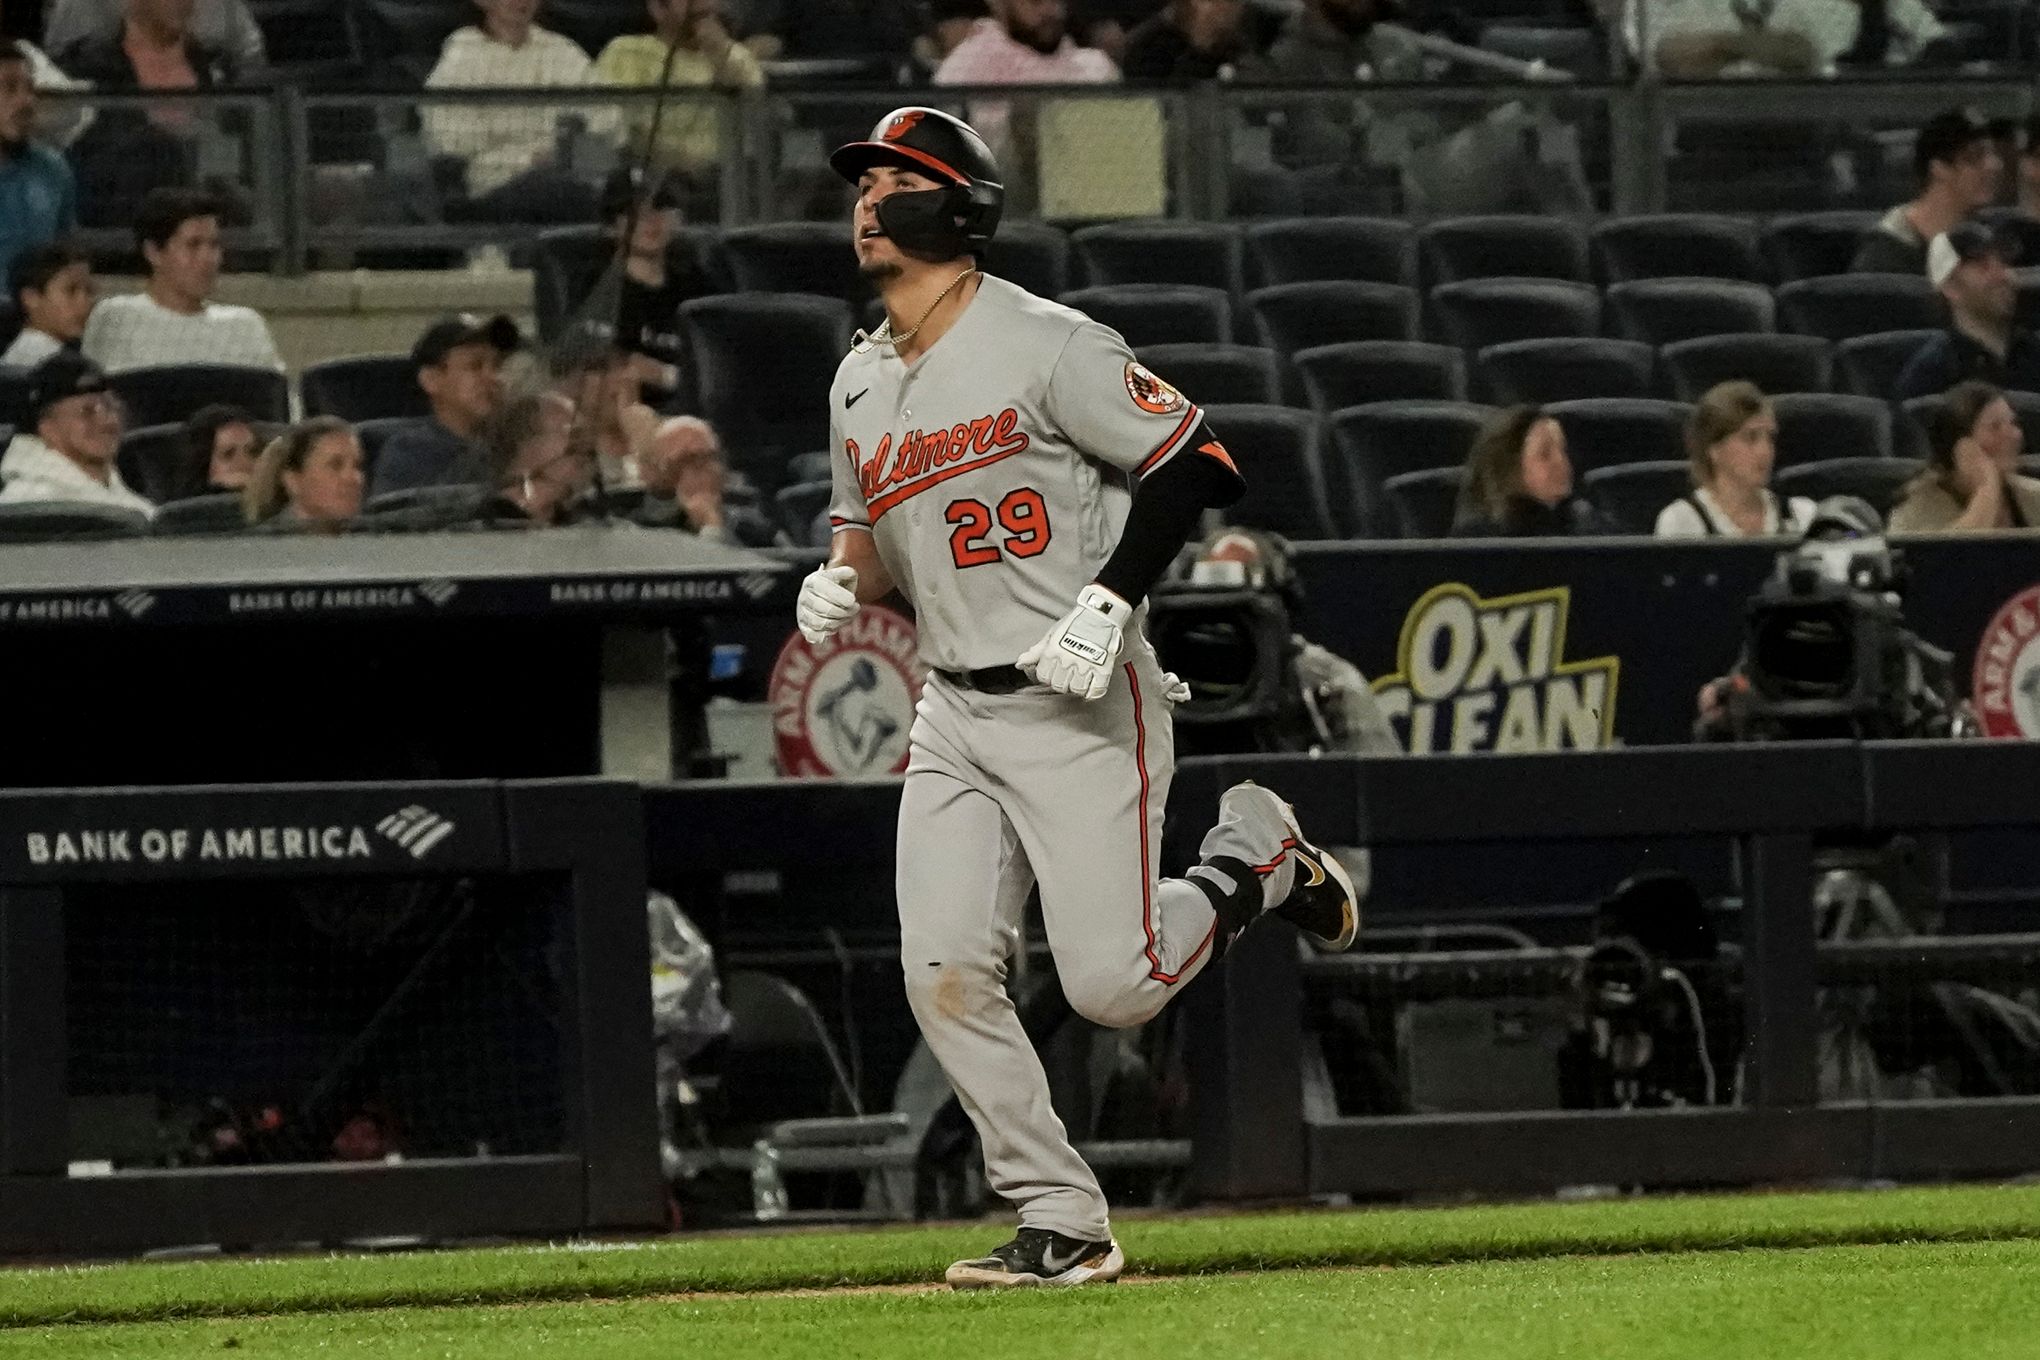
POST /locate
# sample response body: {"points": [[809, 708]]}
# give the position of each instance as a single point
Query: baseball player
{"points": [[1006, 464]]}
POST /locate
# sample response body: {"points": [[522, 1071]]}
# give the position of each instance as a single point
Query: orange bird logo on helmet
{"points": [[902, 125]]}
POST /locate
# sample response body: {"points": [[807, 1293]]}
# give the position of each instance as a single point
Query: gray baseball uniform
{"points": [[994, 473]]}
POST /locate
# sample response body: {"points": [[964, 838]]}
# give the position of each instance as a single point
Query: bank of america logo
{"points": [[438, 591], [416, 829], [135, 603]]}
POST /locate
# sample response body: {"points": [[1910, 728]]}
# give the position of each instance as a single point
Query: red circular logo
{"points": [[843, 709], [2006, 682]]}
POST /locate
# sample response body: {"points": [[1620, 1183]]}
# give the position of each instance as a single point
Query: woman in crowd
{"points": [[1971, 479], [540, 470], [220, 446], [1519, 482], [309, 478], [1732, 442]]}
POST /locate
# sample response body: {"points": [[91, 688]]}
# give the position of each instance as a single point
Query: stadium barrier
{"points": [[1271, 1122], [260, 992]]}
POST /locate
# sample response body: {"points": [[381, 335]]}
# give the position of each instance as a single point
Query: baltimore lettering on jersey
{"points": [[925, 457]]}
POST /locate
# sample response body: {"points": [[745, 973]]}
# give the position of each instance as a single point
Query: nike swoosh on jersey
{"points": [[850, 401]]}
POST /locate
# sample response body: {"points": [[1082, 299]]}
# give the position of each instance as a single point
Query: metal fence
{"points": [[331, 179]]}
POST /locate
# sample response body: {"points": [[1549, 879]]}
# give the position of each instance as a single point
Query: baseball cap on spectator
{"points": [[627, 184], [64, 374], [451, 332], [1966, 241], [1946, 135]]}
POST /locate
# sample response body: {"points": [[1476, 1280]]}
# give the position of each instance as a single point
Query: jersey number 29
{"points": [[1022, 514]]}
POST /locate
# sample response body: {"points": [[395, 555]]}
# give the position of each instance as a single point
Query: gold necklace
{"points": [[885, 334]]}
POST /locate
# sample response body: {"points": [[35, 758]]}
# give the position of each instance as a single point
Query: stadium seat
{"points": [[216, 514], [1572, 48], [1860, 304], [364, 387], [1034, 255], [151, 458], [1817, 426], [794, 257], [410, 33], [567, 263], [1676, 245], [1213, 374], [308, 39], [1424, 502], [1158, 313], [373, 434], [1631, 495], [1775, 363], [1612, 431], [1563, 370], [1294, 316], [1305, 249], [14, 397], [2021, 227], [812, 466], [1352, 374], [1666, 311], [1877, 480], [1276, 450], [749, 351], [1206, 254], [797, 507], [10, 322], [1812, 245], [592, 23], [1381, 440], [426, 507], [1502, 246], [163, 393], [1869, 365], [2028, 307], [1483, 312], [49, 521]]}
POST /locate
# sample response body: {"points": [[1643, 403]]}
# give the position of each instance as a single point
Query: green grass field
{"points": [[1922, 1274]]}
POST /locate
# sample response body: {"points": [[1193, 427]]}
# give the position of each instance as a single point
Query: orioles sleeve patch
{"points": [[1150, 393]]}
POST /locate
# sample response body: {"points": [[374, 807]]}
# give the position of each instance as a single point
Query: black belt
{"points": [[988, 679]]}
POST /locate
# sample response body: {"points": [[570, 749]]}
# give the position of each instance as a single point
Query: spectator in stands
{"points": [[459, 361], [72, 453], [949, 22], [1732, 442], [52, 285], [1707, 39], [1971, 481], [705, 56], [1194, 40], [1024, 42], [59, 127], [537, 470], [653, 284], [308, 480], [38, 197], [1519, 482], [687, 484], [216, 25], [1957, 164], [515, 167], [1972, 266], [220, 450], [171, 321]]}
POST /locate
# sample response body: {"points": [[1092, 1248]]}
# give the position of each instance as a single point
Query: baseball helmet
{"points": [[957, 218]]}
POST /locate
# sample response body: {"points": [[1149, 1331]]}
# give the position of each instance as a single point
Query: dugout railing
{"points": [[1268, 1127], [411, 1010]]}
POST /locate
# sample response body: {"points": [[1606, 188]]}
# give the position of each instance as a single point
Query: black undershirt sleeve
{"points": [[1167, 505]]}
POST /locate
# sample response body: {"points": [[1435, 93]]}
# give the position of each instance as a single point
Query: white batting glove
{"points": [[1077, 654], [828, 600]]}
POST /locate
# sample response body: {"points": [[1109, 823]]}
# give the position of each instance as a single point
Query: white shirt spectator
{"points": [[1699, 515], [992, 56], [33, 471], [502, 141], [136, 331], [1829, 25], [30, 348]]}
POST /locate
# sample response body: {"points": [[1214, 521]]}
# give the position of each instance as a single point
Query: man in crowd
{"points": [[705, 56], [1972, 267], [513, 151], [38, 198], [52, 285], [1194, 40], [217, 25], [172, 321], [459, 361], [1956, 160], [1024, 42], [70, 457]]}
